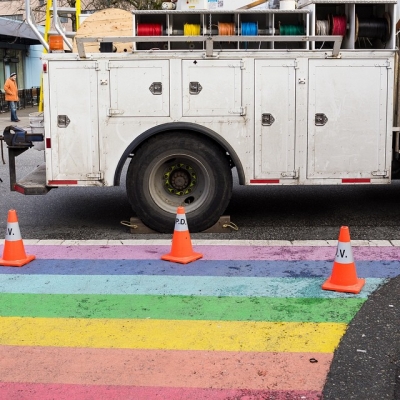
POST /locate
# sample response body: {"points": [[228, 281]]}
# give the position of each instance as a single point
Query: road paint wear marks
{"points": [[116, 322]]}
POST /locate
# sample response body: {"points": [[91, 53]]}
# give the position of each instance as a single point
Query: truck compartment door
{"points": [[275, 116], [347, 118], [212, 88], [73, 120], [139, 88]]}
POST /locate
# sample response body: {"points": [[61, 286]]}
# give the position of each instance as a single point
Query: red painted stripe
{"points": [[164, 368], [48, 143], [356, 180], [62, 182], [29, 391], [264, 180]]}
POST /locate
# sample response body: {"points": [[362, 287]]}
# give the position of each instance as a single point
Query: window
{"points": [[14, 17]]}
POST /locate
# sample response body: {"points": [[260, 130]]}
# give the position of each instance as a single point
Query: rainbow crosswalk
{"points": [[114, 321]]}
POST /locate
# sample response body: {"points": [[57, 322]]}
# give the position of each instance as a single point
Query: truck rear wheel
{"points": [[179, 169]]}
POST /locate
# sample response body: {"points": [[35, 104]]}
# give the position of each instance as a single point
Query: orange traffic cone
{"points": [[14, 252], [181, 250], [344, 274]]}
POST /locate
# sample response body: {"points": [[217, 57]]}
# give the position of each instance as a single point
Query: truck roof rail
{"points": [[210, 40]]}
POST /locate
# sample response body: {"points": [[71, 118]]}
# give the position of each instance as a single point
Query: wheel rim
{"points": [[179, 180]]}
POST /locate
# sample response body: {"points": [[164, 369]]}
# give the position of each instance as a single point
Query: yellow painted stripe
{"points": [[171, 334]]}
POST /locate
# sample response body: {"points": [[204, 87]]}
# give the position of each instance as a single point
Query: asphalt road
{"points": [[263, 212]]}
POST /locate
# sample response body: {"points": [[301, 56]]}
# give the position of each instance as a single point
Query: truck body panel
{"points": [[353, 95], [351, 144], [139, 88], [72, 92], [275, 126]]}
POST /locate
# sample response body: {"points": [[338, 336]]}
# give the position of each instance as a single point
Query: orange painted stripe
{"points": [[164, 368]]}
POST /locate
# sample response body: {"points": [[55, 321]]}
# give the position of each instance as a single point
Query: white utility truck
{"points": [[298, 95]]}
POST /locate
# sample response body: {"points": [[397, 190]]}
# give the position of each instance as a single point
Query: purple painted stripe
{"points": [[213, 252], [39, 391]]}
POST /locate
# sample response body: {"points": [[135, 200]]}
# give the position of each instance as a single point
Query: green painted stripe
{"points": [[179, 307]]}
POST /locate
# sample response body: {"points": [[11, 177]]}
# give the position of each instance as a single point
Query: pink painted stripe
{"points": [[24, 391], [153, 252], [162, 368]]}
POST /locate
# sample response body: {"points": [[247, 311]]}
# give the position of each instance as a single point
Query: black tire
{"points": [[175, 169]]}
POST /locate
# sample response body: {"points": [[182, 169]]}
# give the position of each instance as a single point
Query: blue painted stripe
{"points": [[174, 285], [249, 268]]}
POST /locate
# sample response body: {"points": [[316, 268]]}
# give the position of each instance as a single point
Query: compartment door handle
{"points": [[63, 121], [320, 119], [195, 88], [267, 119]]}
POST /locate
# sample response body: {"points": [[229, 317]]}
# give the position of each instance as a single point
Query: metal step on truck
{"points": [[304, 94]]}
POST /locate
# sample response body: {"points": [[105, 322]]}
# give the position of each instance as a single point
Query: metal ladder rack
{"points": [[53, 13]]}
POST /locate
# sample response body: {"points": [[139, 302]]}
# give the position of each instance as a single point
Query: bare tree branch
{"points": [[39, 10]]}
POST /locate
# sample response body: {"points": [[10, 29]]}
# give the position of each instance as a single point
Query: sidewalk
{"points": [[23, 115]]}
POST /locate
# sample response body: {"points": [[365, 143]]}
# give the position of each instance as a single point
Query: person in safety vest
{"points": [[11, 89]]}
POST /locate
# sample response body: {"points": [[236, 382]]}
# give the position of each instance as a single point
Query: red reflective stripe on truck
{"points": [[48, 143], [61, 182], [264, 180], [19, 189], [356, 180]]}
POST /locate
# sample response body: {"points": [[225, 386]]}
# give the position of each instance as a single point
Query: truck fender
{"points": [[183, 126]]}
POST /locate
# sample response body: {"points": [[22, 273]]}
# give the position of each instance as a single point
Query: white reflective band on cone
{"points": [[344, 253], [12, 232], [181, 223]]}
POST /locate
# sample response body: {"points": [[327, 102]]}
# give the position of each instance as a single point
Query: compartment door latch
{"points": [[156, 88], [267, 119], [320, 119], [195, 88], [63, 121]]}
